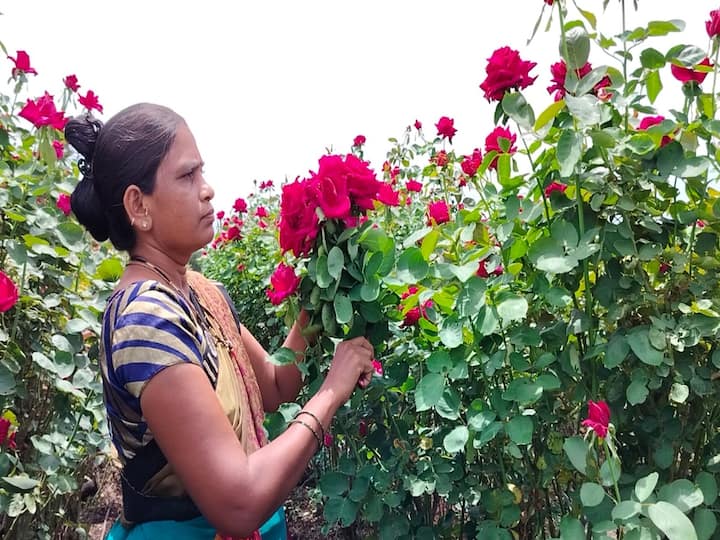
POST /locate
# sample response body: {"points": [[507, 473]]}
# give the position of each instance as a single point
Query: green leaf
{"points": [[641, 143], [610, 471], [586, 109], [705, 523], [549, 114], [370, 289], [517, 108], [334, 483], [626, 510], [7, 381], [617, 350], [429, 391], [708, 485], [576, 450], [343, 309], [520, 429], [652, 59], [429, 242], [21, 482], [511, 307], [284, 356], [569, 151], [571, 529], [471, 297], [679, 393], [663, 28], [682, 493], [412, 266], [654, 85], [591, 494], [670, 520], [456, 440], [575, 49], [335, 262], [645, 486], [639, 342], [637, 392]]}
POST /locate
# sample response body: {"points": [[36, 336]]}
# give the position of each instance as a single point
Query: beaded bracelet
{"points": [[317, 437], [322, 429]]}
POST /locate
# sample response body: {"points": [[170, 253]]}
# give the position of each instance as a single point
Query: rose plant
{"points": [[545, 305]]}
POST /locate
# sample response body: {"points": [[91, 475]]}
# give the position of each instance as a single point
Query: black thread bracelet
{"points": [[317, 437]]}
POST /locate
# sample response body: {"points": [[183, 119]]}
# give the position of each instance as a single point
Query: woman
{"points": [[185, 387]]}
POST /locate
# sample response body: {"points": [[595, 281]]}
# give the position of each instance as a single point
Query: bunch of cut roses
{"points": [[333, 256]]}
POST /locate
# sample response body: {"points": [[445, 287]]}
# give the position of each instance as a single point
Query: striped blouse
{"points": [[146, 327]]}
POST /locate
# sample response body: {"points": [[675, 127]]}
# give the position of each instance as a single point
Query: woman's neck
{"points": [[170, 269]]}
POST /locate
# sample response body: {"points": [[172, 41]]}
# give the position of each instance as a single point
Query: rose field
{"points": [[544, 307]]}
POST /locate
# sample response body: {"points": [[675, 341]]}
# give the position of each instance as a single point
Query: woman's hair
{"points": [[126, 151]]}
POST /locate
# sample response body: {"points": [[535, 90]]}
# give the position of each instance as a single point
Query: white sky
{"points": [[267, 86]]}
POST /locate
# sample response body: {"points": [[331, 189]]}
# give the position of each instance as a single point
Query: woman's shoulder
{"points": [[140, 295]]}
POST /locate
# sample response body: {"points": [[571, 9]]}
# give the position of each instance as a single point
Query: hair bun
{"points": [[81, 133], [88, 209]]}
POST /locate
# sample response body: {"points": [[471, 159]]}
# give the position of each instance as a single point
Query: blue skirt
{"points": [[193, 529]]}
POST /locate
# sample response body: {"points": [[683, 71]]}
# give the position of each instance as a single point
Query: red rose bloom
{"points": [[362, 185], [359, 140], [63, 203], [22, 64], [4, 429], [553, 187], [232, 233], [90, 101], [71, 82], [549, 2], [42, 112], [598, 417], [471, 164], [418, 125], [445, 128], [388, 196], [332, 190], [713, 25], [266, 185], [559, 71], [283, 283], [59, 148], [686, 75], [377, 366], [505, 71], [240, 205], [413, 315], [649, 121], [438, 212], [8, 292], [413, 185], [298, 221], [492, 143], [261, 212], [482, 270], [220, 214]]}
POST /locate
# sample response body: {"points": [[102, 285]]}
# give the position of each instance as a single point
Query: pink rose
{"points": [[298, 221], [59, 148], [505, 71], [388, 196], [492, 143], [438, 212], [445, 128], [71, 82], [90, 101], [261, 212], [266, 185], [377, 366], [8, 292], [63, 203], [649, 121], [413, 185], [240, 206], [359, 140], [283, 283], [232, 233], [686, 75], [42, 112], [331, 187], [22, 64], [220, 214], [713, 25], [418, 125], [362, 184]]}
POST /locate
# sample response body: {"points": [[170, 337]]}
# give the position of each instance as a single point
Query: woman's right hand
{"points": [[351, 366]]}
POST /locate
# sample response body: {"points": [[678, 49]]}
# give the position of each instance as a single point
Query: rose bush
{"points": [[52, 290], [521, 297]]}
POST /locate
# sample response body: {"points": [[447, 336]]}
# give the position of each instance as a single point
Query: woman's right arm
{"points": [[234, 491]]}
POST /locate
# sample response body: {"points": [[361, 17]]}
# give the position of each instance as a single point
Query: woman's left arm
{"points": [[278, 384]]}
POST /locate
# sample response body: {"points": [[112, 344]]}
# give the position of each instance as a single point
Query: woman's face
{"points": [[182, 216]]}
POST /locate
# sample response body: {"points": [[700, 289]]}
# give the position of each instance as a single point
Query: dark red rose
{"points": [[505, 71]]}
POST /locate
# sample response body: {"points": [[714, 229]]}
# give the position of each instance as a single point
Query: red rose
{"points": [[418, 125], [359, 140], [362, 185], [4, 428], [649, 121], [440, 159], [331, 187], [686, 75], [266, 185], [22, 64], [220, 214], [506, 70], [553, 187], [232, 233], [559, 71], [413, 315], [283, 283], [71, 83], [362, 428], [471, 164], [388, 196], [298, 221], [482, 270], [63, 203], [412, 289], [377, 366], [240, 205], [261, 212], [90, 101], [713, 25], [8, 292], [59, 148], [445, 128], [42, 112], [598, 417], [413, 185], [549, 2], [492, 143], [438, 212]]}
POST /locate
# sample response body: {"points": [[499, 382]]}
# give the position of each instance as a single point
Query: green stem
{"points": [[609, 457], [17, 311], [717, 51], [624, 62]]}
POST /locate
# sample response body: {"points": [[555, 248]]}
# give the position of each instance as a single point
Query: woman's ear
{"points": [[137, 212]]}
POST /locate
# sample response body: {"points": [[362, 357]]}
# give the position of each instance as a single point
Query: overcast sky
{"points": [[268, 86]]}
